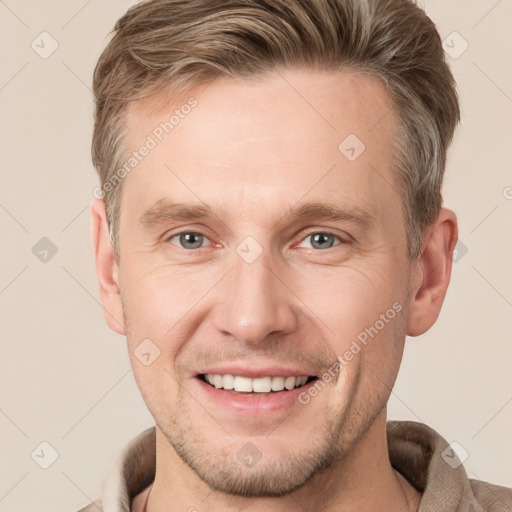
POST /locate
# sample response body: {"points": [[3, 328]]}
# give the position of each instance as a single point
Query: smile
{"points": [[258, 385]]}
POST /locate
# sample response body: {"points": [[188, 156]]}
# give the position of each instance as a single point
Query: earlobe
{"points": [[434, 268], [106, 268]]}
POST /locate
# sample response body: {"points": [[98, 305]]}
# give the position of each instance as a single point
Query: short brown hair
{"points": [[173, 45]]}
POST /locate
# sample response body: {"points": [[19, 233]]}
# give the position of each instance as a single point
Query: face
{"points": [[258, 242]]}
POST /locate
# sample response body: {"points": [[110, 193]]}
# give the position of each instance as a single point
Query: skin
{"points": [[253, 150]]}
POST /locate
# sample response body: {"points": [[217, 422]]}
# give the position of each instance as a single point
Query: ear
{"points": [[432, 273], [106, 268]]}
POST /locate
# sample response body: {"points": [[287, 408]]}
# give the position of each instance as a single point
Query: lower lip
{"points": [[253, 404]]}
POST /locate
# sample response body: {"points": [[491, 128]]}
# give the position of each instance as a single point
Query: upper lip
{"points": [[254, 372]]}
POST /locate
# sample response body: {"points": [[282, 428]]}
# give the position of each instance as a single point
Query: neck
{"points": [[364, 480]]}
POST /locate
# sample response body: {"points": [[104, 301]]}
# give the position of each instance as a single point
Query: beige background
{"points": [[66, 379]]}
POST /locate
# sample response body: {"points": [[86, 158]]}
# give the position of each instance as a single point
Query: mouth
{"points": [[238, 384]]}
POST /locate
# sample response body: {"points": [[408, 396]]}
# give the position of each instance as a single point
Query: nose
{"points": [[253, 302]]}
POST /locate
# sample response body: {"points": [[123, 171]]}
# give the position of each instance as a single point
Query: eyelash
{"points": [[307, 235]]}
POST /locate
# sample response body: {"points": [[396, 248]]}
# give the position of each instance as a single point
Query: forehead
{"points": [[273, 138], [335, 100]]}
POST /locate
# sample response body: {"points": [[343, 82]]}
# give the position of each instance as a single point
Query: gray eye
{"points": [[189, 240], [321, 240]]}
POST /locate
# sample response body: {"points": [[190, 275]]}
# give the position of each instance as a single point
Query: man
{"points": [[271, 228]]}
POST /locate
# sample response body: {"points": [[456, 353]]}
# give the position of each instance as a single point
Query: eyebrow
{"points": [[326, 211], [167, 210]]}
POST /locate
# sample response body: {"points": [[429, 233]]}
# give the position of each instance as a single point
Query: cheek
{"points": [[350, 298], [154, 301], [162, 308], [366, 315], [151, 309]]}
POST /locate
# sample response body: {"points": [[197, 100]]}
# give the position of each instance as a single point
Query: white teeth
{"points": [[277, 383], [262, 385], [228, 382], [217, 381], [289, 383], [258, 385], [242, 384]]}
